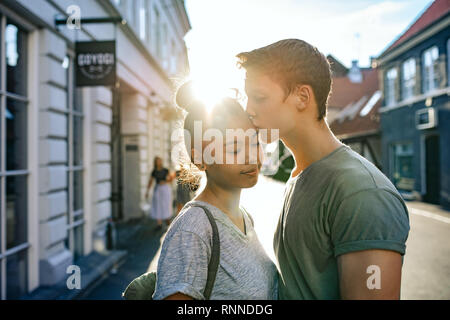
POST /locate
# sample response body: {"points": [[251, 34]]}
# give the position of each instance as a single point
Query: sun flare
{"points": [[210, 92], [211, 84]]}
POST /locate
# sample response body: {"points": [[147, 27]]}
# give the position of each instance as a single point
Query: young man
{"points": [[343, 227]]}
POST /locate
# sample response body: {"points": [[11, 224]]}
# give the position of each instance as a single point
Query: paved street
{"points": [[426, 272], [426, 269]]}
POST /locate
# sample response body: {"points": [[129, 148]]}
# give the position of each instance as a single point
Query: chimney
{"points": [[355, 74]]}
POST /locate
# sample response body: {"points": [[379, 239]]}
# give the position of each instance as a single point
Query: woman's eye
{"points": [[233, 149], [259, 99]]}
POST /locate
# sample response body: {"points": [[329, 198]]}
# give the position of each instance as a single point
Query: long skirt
{"points": [[161, 202]]}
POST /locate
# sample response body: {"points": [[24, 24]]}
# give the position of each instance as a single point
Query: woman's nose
{"points": [[250, 112]]}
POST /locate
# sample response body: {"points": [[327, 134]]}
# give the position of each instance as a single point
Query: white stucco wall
{"points": [[145, 76]]}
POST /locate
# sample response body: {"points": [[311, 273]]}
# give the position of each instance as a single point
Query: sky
{"points": [[347, 29]]}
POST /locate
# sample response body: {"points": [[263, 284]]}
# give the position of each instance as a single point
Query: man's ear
{"points": [[302, 97]]}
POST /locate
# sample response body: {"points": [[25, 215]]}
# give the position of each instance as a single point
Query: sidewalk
{"points": [[93, 267], [428, 210], [142, 241], [99, 266]]}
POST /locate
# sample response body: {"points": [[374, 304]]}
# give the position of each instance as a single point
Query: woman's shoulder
{"points": [[193, 219]]}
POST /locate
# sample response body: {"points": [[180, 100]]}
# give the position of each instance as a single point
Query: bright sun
{"points": [[212, 85], [209, 92]]}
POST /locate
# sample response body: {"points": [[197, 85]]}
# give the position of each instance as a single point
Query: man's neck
{"points": [[224, 199], [309, 144]]}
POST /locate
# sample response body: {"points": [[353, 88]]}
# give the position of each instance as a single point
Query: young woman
{"points": [[161, 208], [245, 272]]}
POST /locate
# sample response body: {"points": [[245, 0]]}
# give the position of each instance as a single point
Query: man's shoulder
{"points": [[352, 173]]}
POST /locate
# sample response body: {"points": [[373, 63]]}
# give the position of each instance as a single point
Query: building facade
{"points": [[357, 124], [71, 158], [415, 115]]}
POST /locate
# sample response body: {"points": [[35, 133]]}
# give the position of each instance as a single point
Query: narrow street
{"points": [[426, 270]]}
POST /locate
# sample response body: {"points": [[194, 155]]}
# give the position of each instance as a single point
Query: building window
{"points": [[402, 165], [391, 79], [148, 10], [173, 57], [13, 161], [430, 65], [408, 78], [164, 46], [142, 20], [131, 13], [75, 212], [157, 31]]}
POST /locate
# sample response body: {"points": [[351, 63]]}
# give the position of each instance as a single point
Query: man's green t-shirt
{"points": [[339, 204]]}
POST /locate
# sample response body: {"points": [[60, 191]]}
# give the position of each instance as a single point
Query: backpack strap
{"points": [[213, 265]]}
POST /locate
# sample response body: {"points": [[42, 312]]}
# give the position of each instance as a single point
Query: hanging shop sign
{"points": [[95, 63]]}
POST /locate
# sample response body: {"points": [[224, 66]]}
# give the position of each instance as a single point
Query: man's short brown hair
{"points": [[292, 62]]}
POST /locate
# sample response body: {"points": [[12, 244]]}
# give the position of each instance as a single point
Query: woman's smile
{"points": [[250, 172]]}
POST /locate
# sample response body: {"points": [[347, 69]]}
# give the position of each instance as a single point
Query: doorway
{"points": [[432, 169], [116, 158]]}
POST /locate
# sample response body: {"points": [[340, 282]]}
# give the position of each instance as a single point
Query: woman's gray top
{"points": [[245, 271]]}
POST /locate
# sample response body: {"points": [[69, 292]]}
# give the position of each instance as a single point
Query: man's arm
{"points": [[355, 269]]}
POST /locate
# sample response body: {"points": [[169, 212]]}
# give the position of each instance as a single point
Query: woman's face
{"points": [[158, 162], [241, 155]]}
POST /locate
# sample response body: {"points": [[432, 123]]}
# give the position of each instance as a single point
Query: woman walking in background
{"points": [[161, 208]]}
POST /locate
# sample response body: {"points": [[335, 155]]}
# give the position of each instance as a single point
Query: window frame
{"points": [[143, 28], [23, 247], [157, 30], [426, 81], [390, 98], [411, 80], [71, 112]]}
